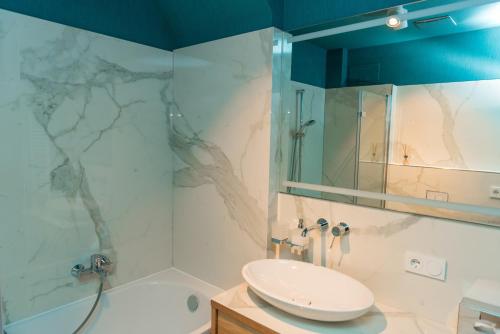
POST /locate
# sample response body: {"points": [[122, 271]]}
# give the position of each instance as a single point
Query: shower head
{"points": [[308, 123], [301, 131]]}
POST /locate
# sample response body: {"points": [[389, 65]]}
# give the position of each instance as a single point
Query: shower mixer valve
{"points": [[339, 230], [99, 264]]}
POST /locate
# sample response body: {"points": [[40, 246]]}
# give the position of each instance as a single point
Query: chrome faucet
{"points": [[99, 264], [322, 225]]}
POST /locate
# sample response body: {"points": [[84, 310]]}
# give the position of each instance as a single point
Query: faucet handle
{"points": [[100, 263], [340, 230], [323, 224], [333, 240], [76, 271]]}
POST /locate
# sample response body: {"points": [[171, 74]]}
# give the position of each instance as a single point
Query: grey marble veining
{"points": [[302, 209], [449, 116], [218, 171], [63, 70], [458, 118], [389, 229], [88, 168], [220, 132]]}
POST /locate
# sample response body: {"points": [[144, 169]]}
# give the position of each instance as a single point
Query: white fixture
{"points": [[425, 265], [394, 21], [495, 192], [479, 310], [308, 291]]}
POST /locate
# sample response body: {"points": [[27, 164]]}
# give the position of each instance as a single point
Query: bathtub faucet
{"points": [[99, 264], [322, 225]]}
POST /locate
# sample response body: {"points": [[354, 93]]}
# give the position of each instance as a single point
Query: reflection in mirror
{"points": [[412, 111]]}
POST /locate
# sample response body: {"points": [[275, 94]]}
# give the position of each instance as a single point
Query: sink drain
{"points": [[193, 303]]}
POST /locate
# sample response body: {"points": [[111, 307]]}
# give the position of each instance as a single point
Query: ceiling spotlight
{"points": [[394, 20]]}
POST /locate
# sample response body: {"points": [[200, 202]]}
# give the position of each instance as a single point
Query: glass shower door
{"points": [[372, 145], [355, 141]]}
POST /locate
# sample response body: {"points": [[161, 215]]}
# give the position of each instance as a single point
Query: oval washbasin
{"points": [[308, 291]]}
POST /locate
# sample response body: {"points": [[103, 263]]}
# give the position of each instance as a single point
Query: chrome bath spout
{"points": [[322, 225]]}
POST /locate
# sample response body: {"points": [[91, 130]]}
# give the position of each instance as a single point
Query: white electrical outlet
{"points": [[495, 192], [425, 265]]}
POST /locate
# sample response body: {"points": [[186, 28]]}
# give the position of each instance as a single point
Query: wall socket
{"points": [[495, 192], [425, 265]]}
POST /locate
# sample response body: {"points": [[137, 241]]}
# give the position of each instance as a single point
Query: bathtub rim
{"points": [[170, 275]]}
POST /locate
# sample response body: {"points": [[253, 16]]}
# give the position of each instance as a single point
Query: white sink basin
{"points": [[308, 291]]}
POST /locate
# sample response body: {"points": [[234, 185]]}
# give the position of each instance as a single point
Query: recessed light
{"points": [[394, 20]]}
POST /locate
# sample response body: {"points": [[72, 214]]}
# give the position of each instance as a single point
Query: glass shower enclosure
{"points": [[345, 137], [356, 139]]}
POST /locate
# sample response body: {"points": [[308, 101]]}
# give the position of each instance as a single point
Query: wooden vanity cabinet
{"points": [[226, 321]]}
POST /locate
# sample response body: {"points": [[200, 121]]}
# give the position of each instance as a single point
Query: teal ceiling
{"points": [[195, 21], [139, 21], [171, 24]]}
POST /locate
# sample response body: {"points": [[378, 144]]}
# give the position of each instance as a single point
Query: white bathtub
{"points": [[156, 304]]}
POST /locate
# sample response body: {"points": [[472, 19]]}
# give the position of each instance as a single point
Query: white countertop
{"points": [[381, 320]]}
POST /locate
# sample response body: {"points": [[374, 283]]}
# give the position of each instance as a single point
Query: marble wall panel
{"points": [[85, 166], [221, 135], [460, 121]]}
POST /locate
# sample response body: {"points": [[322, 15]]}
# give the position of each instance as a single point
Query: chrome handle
{"points": [[77, 270], [340, 230], [100, 262], [333, 240], [323, 224], [487, 327]]}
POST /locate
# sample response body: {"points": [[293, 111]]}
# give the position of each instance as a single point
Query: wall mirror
{"points": [[398, 109]]}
